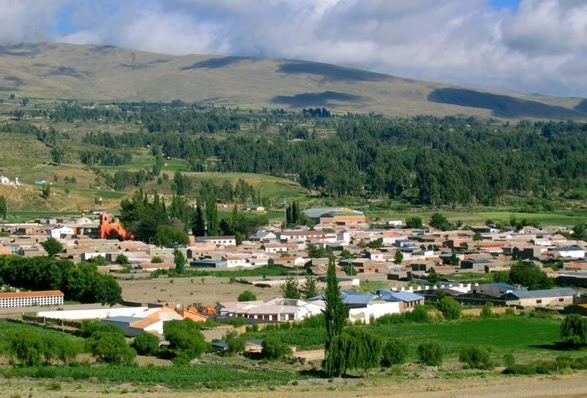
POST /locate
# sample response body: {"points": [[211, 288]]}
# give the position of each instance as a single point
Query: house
{"points": [[572, 252], [335, 215], [156, 266], [364, 307], [217, 240], [28, 299], [61, 232], [407, 300], [276, 310], [302, 235], [494, 289], [541, 298]]}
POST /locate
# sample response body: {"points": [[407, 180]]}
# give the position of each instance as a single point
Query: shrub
{"points": [[274, 349], [430, 354], [237, 322], [450, 308], [486, 310], [475, 357], [146, 344], [394, 353], [247, 295]]}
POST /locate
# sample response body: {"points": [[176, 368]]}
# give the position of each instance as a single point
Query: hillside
{"points": [[111, 73]]}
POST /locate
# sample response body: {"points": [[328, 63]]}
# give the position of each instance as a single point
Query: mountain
{"points": [[111, 73]]}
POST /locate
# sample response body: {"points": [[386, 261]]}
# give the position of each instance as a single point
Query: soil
{"points": [[565, 386]]}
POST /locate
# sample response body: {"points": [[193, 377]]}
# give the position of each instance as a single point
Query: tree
{"points": [[439, 221], [430, 353], [247, 295], [578, 231], [310, 287], [450, 308], [477, 236], [212, 216], [274, 349], [46, 191], [146, 344], [57, 154], [110, 347], [180, 261], [574, 330], [198, 222], [398, 257], [235, 343], [530, 275], [52, 246], [315, 251], [475, 357], [357, 348], [121, 259], [433, 276], [335, 316], [3, 207], [290, 289], [395, 352], [181, 184], [167, 235], [414, 222], [186, 341]]}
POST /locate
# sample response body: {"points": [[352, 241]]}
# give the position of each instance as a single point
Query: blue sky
{"points": [[531, 46]]}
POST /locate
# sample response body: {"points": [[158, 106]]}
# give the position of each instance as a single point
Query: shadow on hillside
{"points": [[67, 71], [332, 72], [214, 63], [324, 98], [13, 80], [502, 105], [145, 65], [582, 106]]}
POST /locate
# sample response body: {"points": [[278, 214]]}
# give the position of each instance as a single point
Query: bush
{"points": [[274, 349], [237, 322], [486, 310], [394, 353], [146, 344], [430, 354], [450, 308], [111, 347], [247, 295], [475, 357]]}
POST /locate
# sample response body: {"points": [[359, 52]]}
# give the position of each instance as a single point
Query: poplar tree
{"points": [[198, 221], [3, 207], [212, 215]]}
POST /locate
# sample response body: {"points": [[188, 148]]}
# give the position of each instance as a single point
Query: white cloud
{"points": [[539, 47]]}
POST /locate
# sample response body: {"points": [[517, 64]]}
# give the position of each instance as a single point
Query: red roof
{"points": [[32, 294]]}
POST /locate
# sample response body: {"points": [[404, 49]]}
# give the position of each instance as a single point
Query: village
{"points": [[406, 267]]}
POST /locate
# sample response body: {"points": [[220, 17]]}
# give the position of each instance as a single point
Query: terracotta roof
{"points": [[32, 294]]}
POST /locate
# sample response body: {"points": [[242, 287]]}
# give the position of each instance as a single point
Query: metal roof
{"points": [[317, 212], [399, 296], [123, 319], [544, 293]]}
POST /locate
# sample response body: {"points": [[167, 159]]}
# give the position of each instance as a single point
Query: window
{"points": [[538, 301], [561, 300]]}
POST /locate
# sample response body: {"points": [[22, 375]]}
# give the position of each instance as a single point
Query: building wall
{"points": [[13, 302], [546, 301]]}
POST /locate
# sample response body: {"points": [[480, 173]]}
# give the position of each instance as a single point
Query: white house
{"points": [[572, 252], [61, 232], [217, 240], [276, 310], [235, 261]]}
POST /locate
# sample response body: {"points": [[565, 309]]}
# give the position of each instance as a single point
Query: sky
{"points": [[528, 46]]}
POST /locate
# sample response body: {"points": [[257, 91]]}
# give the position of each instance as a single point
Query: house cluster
{"points": [[6, 181], [393, 253]]}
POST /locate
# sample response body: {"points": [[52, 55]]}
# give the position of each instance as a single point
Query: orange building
{"points": [[110, 229]]}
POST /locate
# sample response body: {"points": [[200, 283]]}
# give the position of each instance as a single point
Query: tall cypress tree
{"points": [[335, 316], [212, 215], [198, 221], [3, 207]]}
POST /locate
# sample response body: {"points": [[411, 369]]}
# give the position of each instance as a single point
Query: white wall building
{"points": [[28, 299]]}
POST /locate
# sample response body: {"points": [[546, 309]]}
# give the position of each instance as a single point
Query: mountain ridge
{"points": [[109, 73]]}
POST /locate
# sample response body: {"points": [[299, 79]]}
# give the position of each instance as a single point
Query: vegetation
{"points": [[430, 353], [335, 317], [450, 308], [247, 295], [395, 352], [574, 330], [274, 349], [81, 282], [356, 348], [186, 341], [530, 275], [146, 344], [290, 289], [110, 347], [52, 246], [475, 357]]}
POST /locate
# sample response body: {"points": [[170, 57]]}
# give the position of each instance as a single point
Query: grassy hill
{"points": [[111, 73]]}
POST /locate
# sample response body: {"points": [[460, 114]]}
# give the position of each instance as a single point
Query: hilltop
{"points": [[104, 73]]}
